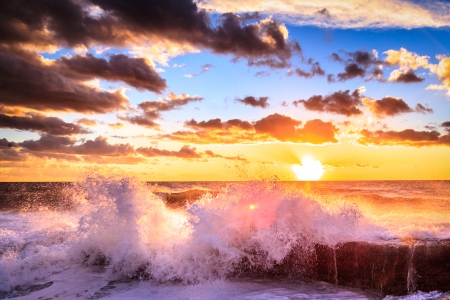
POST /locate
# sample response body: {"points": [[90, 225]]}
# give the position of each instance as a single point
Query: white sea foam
{"points": [[121, 224]]}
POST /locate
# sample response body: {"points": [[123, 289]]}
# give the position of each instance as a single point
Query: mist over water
{"points": [[124, 226]]}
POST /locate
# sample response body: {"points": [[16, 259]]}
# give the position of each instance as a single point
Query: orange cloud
{"points": [[274, 127], [117, 125], [87, 122]]}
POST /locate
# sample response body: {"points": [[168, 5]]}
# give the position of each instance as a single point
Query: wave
{"points": [[249, 229]]}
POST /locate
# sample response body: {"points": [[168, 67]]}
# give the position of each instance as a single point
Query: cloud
{"points": [[184, 152], [348, 14], [8, 153], [87, 122], [405, 77], [286, 129], [255, 102], [50, 143], [406, 60], [41, 123], [410, 61], [274, 127], [133, 71], [41, 87], [422, 109], [341, 102], [262, 74], [66, 145], [214, 155], [151, 110], [205, 68], [117, 125], [358, 64], [443, 73], [68, 23], [315, 70], [218, 124], [390, 106], [446, 126], [407, 137]]}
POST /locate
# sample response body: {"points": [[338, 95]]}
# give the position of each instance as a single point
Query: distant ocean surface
{"points": [[120, 238]]}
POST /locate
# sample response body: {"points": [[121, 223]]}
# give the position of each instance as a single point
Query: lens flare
{"points": [[310, 169]]}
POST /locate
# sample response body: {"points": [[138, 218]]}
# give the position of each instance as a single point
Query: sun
{"points": [[310, 169]]}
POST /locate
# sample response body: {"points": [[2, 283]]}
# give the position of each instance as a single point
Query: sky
{"points": [[184, 90]]}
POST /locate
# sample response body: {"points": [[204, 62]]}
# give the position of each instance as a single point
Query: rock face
{"points": [[388, 268], [394, 269], [380, 268]]}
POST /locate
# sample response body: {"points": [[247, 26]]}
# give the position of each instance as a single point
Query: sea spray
{"points": [[129, 229], [251, 229]]}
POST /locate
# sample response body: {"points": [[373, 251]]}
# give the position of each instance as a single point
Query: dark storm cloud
{"points": [[42, 88], [119, 23], [342, 103], [357, 64], [255, 102], [409, 77], [407, 137], [133, 71], [40, 123]]}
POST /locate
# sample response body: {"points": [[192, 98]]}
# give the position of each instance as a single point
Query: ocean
{"points": [[116, 237]]}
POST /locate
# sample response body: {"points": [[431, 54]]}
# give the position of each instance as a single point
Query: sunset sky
{"points": [[224, 90]]}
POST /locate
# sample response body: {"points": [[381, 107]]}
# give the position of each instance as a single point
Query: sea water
{"points": [[119, 238]]}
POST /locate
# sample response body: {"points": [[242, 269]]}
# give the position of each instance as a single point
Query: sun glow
{"points": [[310, 169]]}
